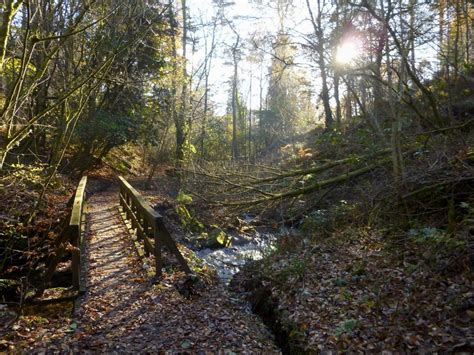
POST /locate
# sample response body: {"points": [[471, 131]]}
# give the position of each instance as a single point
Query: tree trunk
{"points": [[181, 127], [468, 25], [338, 101], [235, 108], [457, 37], [207, 69], [441, 16], [319, 32], [250, 121], [10, 8]]}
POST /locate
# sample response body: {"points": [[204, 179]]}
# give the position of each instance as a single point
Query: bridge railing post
{"points": [[157, 247], [127, 201], [121, 198], [75, 236]]}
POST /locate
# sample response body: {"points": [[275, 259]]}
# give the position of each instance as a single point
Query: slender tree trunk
{"points": [[337, 81], [319, 32], [325, 93], [378, 112], [457, 37], [348, 107], [10, 8], [181, 127], [260, 110], [177, 115], [468, 25], [338, 101], [235, 106], [235, 152], [395, 105], [207, 68], [412, 35], [204, 115], [442, 45], [250, 120]]}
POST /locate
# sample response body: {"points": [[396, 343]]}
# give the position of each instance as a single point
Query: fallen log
{"points": [[313, 187], [320, 168]]}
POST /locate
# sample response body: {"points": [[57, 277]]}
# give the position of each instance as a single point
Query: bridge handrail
{"points": [[72, 230], [75, 232], [149, 226]]}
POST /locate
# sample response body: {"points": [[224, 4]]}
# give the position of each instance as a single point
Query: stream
{"points": [[228, 261], [245, 247]]}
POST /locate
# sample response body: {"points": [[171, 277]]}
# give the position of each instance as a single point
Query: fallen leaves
{"points": [[354, 296]]}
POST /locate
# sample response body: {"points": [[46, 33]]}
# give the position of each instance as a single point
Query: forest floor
{"points": [[122, 311], [352, 292], [356, 290]]}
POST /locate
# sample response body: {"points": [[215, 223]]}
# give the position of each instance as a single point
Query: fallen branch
{"points": [[444, 129], [434, 186], [227, 182], [321, 168], [313, 187]]}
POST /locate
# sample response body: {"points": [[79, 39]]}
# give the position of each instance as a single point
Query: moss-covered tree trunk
{"points": [[10, 8]]}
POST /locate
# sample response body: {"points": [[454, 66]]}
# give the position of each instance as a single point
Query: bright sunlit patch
{"points": [[348, 51]]}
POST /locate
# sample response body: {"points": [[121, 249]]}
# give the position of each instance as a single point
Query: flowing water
{"points": [[228, 261], [245, 248]]}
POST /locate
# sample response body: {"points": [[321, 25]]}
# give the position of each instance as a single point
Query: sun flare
{"points": [[348, 51]]}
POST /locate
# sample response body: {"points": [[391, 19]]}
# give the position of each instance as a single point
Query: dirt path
{"points": [[123, 312]]}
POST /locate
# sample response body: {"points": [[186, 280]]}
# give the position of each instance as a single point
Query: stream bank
{"points": [[351, 293], [250, 284], [237, 267]]}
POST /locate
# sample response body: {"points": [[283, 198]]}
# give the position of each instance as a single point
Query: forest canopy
{"points": [[134, 71]]}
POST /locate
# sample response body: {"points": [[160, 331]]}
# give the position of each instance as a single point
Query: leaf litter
{"points": [[353, 294]]}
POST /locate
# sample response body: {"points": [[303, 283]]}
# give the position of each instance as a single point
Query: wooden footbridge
{"points": [[148, 231], [118, 308]]}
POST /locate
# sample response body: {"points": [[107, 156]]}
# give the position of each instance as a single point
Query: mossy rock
{"points": [[217, 238]]}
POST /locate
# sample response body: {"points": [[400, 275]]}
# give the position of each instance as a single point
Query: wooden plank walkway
{"points": [[113, 286]]}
